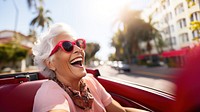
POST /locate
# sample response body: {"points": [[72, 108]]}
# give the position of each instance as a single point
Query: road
{"points": [[154, 80]]}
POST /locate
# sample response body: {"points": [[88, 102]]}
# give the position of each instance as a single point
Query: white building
{"points": [[172, 18]]}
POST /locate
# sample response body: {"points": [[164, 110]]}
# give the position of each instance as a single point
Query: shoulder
{"points": [[49, 86], [48, 90], [90, 79], [49, 95]]}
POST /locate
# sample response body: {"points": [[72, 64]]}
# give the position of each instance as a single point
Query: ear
{"points": [[49, 64]]}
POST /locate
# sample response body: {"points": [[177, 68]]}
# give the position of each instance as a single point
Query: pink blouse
{"points": [[51, 96]]}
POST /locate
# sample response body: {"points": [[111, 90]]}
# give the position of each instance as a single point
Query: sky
{"points": [[91, 19]]}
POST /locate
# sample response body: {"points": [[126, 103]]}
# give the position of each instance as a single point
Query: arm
{"points": [[114, 106], [58, 111], [111, 104]]}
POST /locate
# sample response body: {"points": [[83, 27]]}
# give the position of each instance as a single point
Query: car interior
{"points": [[17, 93]]}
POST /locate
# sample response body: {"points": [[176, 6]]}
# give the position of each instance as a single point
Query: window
{"points": [[168, 16], [163, 7], [194, 1], [179, 9], [167, 41], [168, 2], [165, 4], [184, 37], [173, 40], [166, 30], [181, 23], [195, 16], [172, 28], [169, 29], [195, 34], [170, 41], [199, 3]]}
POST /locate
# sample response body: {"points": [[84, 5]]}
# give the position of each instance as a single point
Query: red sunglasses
{"points": [[69, 46]]}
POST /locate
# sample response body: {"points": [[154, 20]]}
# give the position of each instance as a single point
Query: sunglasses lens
{"points": [[80, 43], [68, 46]]}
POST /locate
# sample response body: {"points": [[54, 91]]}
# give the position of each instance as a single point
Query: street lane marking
{"points": [[154, 74]]}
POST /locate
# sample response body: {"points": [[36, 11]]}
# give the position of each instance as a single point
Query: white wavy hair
{"points": [[44, 46]]}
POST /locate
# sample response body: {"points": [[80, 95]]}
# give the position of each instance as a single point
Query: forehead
{"points": [[63, 36]]}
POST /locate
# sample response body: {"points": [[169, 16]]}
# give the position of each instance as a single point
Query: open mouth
{"points": [[78, 62]]}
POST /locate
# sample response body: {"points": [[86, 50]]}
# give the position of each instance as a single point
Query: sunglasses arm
{"points": [[54, 50]]}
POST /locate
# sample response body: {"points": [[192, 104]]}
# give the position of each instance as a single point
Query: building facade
{"points": [[172, 18], [26, 42]]}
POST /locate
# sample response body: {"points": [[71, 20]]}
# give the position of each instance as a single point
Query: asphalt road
{"points": [[144, 76]]}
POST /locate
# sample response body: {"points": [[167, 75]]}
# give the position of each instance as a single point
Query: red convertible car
{"points": [[17, 92]]}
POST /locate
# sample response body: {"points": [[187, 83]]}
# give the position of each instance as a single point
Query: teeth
{"points": [[75, 60]]}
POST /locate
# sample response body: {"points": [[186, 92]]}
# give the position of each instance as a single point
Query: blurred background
{"points": [[141, 41]]}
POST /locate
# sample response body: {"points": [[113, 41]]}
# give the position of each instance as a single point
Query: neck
{"points": [[73, 83]]}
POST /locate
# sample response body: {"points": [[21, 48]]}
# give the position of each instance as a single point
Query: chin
{"points": [[84, 72], [81, 73]]}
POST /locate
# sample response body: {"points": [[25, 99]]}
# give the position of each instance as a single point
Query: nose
{"points": [[77, 49]]}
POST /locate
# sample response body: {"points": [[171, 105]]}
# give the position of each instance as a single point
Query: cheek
{"points": [[61, 58], [63, 55], [83, 53]]}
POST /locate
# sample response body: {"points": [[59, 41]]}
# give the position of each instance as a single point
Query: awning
{"points": [[141, 57], [181, 52]]}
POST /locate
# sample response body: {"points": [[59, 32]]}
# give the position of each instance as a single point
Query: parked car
{"points": [[119, 65], [124, 67]]}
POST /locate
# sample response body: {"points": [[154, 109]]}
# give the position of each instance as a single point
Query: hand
{"points": [[114, 106]]}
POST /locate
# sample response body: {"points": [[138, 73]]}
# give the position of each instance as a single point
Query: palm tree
{"points": [[90, 52], [33, 3], [156, 35], [41, 20], [118, 41], [158, 41], [135, 31], [130, 39]]}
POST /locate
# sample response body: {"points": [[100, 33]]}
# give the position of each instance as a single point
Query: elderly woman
{"points": [[60, 56]]}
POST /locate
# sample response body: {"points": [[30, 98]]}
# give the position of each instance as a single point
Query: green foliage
{"points": [[91, 50], [127, 41], [118, 41], [195, 25], [112, 57], [41, 19], [190, 3], [135, 30], [12, 52]]}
